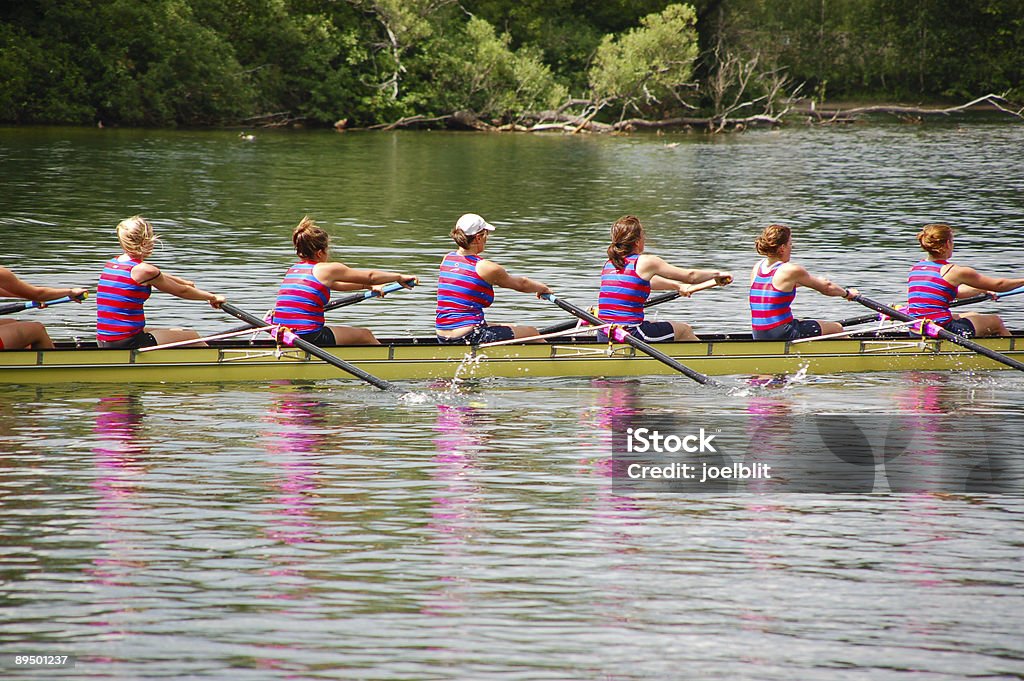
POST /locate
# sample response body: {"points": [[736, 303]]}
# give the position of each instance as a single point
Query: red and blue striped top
{"points": [[623, 293], [301, 299], [462, 294], [928, 294], [119, 301], [769, 307]]}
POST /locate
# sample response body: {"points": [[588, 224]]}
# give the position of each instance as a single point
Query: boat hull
{"points": [[405, 360]]}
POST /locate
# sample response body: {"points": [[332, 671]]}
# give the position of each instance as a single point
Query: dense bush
{"points": [[220, 62]]}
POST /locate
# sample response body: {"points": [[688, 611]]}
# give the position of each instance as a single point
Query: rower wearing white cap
{"points": [[466, 286]]}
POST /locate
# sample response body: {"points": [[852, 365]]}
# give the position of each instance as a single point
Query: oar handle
{"points": [[32, 304], [366, 295], [1013, 292]]}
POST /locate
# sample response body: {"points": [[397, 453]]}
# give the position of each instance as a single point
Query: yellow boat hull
{"points": [[396, 361]]}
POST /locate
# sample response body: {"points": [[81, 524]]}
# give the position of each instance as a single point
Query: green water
{"points": [[328, 531]]}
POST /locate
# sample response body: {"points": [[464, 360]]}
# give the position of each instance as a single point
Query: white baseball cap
{"points": [[471, 224]]}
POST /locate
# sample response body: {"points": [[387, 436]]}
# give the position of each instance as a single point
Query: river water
{"points": [[330, 531]]}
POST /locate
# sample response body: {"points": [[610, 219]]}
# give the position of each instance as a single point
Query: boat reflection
{"points": [[295, 431], [460, 436], [120, 460]]}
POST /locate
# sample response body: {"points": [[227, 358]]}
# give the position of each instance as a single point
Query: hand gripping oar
{"points": [[11, 308], [366, 295], [929, 328], [292, 339], [651, 302], [624, 337], [980, 298], [346, 301]]}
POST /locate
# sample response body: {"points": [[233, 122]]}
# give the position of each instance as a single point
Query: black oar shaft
{"points": [[945, 334], [316, 351], [656, 300], [341, 302], [634, 341], [864, 319]]}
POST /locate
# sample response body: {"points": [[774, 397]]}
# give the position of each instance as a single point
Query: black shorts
{"points": [[962, 327], [481, 333], [651, 332], [798, 328], [139, 340], [322, 337]]}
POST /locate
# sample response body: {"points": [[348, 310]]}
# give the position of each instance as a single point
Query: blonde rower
{"points": [[126, 284]]}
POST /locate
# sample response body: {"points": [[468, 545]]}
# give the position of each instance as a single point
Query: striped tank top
{"points": [[301, 299], [462, 294], [119, 301], [623, 293], [769, 307], [928, 294]]}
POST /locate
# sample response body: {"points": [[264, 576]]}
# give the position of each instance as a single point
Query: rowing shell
{"points": [[421, 359]]}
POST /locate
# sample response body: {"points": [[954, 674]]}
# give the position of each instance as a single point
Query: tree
{"points": [[647, 68]]}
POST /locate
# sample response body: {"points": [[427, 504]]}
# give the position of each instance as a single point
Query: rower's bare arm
{"points": [[13, 287], [341, 277], [968, 276], [651, 266], [496, 275], [660, 283], [176, 287], [180, 280], [822, 285]]}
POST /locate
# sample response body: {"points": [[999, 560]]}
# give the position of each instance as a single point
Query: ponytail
{"points": [[772, 238], [136, 236], [933, 238], [309, 239], [626, 235]]}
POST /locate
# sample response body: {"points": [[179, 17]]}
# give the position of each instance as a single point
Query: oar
{"points": [[366, 295], [316, 351], [651, 302], [980, 298], [11, 308], [624, 337], [929, 328], [348, 300]]}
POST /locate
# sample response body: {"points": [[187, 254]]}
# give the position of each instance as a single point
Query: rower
{"points": [[630, 274], [935, 282], [306, 289], [773, 283], [465, 286], [18, 335], [126, 284]]}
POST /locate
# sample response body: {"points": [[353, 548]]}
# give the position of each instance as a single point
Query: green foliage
{"points": [[38, 85], [217, 62], [494, 81], [647, 67], [885, 48], [566, 31]]}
